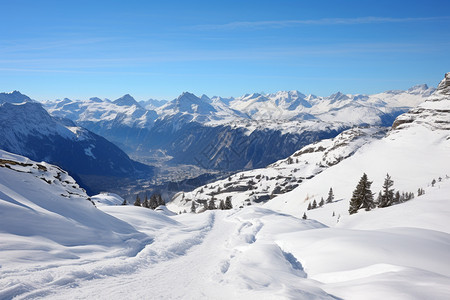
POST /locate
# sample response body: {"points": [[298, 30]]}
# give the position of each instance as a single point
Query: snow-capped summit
{"points": [[152, 104], [96, 99], [188, 103], [337, 97], [126, 100], [14, 97]]}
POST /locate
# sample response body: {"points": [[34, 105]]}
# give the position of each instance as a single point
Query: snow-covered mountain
{"points": [[191, 129], [14, 97], [152, 104], [424, 131], [261, 185], [27, 129]]}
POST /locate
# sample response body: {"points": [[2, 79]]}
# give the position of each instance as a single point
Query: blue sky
{"points": [[158, 49]]}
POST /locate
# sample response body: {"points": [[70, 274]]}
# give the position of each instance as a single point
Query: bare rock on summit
{"points": [[433, 113]]}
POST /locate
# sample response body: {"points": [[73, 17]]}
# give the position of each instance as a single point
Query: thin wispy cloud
{"points": [[326, 21]]}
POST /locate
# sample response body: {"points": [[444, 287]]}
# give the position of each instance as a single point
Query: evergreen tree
{"points": [[314, 204], [160, 200], [211, 204], [387, 197], [193, 209], [330, 196], [333, 214], [362, 196], [322, 202], [221, 205], [397, 197], [154, 201], [378, 201], [309, 206], [228, 204], [205, 205], [124, 202], [138, 201], [145, 203], [433, 182], [304, 216]]}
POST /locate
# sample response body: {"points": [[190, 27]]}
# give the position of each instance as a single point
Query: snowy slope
{"points": [[260, 185], [257, 253], [415, 151], [46, 217]]}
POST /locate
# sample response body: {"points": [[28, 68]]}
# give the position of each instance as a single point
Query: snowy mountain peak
{"points": [[126, 100], [338, 96], [14, 97], [189, 103], [96, 99], [205, 98]]}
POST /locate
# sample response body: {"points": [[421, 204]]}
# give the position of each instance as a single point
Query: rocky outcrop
{"points": [[433, 113]]}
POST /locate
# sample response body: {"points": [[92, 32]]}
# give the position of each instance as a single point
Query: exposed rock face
{"points": [[444, 86], [434, 112], [261, 185]]}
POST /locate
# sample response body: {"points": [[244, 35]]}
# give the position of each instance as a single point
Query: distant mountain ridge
{"points": [[187, 126], [27, 129]]}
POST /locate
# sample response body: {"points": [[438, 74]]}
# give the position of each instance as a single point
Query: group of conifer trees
{"points": [[362, 197], [330, 198], [314, 205], [155, 201], [210, 205]]}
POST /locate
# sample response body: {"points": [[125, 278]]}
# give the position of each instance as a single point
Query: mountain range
{"points": [[191, 130], [27, 129]]}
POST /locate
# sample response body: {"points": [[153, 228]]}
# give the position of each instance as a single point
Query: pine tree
{"points": [[309, 206], [138, 201], [124, 202], [314, 204], [322, 202], [330, 196], [221, 205], [211, 204], [304, 216], [145, 203], [433, 182], [159, 200], [362, 196], [228, 204], [333, 214], [387, 197], [397, 197], [153, 201], [193, 209], [205, 205], [379, 200]]}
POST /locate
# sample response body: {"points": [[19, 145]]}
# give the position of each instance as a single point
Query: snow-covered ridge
{"points": [[50, 174], [434, 112], [414, 152], [261, 185], [41, 204], [282, 106]]}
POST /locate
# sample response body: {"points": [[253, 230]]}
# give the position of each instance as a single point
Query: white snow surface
{"points": [[60, 247]]}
